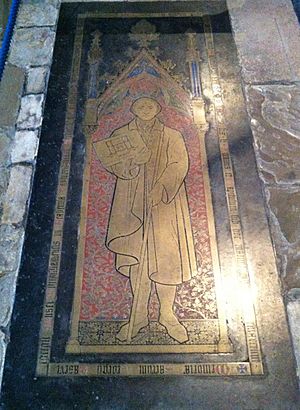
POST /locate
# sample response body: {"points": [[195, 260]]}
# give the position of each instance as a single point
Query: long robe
{"points": [[170, 249]]}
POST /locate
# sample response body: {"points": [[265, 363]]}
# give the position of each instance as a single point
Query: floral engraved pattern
{"points": [[104, 333]]}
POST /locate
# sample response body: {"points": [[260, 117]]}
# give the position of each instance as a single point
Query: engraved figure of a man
{"points": [[149, 227]]}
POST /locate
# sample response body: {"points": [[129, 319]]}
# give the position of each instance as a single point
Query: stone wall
{"points": [[267, 37]]}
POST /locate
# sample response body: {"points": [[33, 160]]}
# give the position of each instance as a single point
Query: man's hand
{"points": [[126, 169], [156, 194], [143, 156]]}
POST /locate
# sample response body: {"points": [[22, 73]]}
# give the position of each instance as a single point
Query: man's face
{"points": [[145, 109]]}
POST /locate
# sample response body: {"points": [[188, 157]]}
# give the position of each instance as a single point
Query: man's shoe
{"points": [[174, 328], [122, 335]]}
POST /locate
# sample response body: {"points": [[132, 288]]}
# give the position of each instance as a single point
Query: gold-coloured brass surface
{"points": [[127, 167]]}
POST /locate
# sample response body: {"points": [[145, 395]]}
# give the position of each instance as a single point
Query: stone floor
{"points": [[157, 371]]}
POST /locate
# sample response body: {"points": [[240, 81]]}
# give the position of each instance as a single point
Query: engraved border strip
{"points": [[248, 313], [48, 317]]}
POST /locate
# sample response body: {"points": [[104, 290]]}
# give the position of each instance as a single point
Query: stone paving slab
{"points": [[38, 13], [3, 345], [274, 112], [25, 146], [11, 241], [284, 205], [7, 294], [36, 80], [15, 203], [293, 310], [12, 87], [32, 46], [31, 111], [267, 35]]}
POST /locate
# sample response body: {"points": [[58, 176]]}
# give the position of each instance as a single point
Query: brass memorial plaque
{"points": [[150, 272]]}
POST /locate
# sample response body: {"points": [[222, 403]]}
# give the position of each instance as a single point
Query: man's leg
{"points": [[141, 315], [166, 296]]}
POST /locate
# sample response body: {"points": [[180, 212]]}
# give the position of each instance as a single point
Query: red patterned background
{"points": [[106, 294]]}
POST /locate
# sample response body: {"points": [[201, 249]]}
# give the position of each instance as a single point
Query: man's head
{"points": [[145, 108]]}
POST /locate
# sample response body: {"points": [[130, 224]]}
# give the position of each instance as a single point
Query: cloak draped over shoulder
{"points": [[170, 247]]}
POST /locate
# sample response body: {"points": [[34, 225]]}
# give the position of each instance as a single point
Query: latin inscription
{"points": [[54, 264], [49, 310], [209, 369], [108, 369], [44, 352], [253, 346], [67, 369], [152, 369]]}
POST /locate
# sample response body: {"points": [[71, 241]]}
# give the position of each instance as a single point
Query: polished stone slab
{"points": [[260, 392]]}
